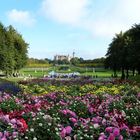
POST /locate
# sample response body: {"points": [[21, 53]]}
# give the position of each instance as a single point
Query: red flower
{"points": [[24, 125]]}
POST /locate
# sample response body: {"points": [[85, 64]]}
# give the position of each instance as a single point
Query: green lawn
{"points": [[40, 72], [100, 72]]}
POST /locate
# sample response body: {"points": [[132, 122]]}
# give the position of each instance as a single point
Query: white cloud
{"points": [[129, 9], [109, 19], [66, 11], [122, 16], [21, 17]]}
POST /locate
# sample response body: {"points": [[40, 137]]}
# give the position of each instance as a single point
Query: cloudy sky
{"points": [[63, 26]]}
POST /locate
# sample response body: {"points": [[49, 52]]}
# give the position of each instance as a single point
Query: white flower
{"points": [[40, 124], [96, 125], [56, 129], [32, 130], [91, 136], [34, 138], [91, 127], [49, 124], [57, 133]]}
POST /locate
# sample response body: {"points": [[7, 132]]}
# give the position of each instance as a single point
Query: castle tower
{"points": [[73, 54]]}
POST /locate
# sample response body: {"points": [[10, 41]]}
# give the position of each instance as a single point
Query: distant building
{"points": [[63, 57]]}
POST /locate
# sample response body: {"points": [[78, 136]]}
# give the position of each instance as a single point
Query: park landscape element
{"points": [[67, 109], [44, 109]]}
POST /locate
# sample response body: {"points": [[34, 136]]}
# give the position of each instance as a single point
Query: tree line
{"points": [[124, 52], [13, 50]]}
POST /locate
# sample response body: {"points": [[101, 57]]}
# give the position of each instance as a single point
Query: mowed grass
{"points": [[83, 71], [28, 73]]}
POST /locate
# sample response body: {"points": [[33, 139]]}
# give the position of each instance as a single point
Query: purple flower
{"points": [[68, 129], [111, 137], [109, 129], [64, 112], [104, 121], [15, 134], [3, 138], [1, 134], [95, 120], [91, 110], [13, 121], [102, 136], [63, 133], [73, 120], [120, 137], [62, 103], [73, 114], [116, 132]]}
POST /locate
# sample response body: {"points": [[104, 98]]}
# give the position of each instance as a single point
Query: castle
{"points": [[63, 57]]}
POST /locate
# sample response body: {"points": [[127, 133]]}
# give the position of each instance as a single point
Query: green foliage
{"points": [[80, 108], [124, 52], [9, 105], [13, 50], [43, 127]]}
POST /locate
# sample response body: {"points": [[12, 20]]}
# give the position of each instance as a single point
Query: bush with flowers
{"points": [[71, 110]]}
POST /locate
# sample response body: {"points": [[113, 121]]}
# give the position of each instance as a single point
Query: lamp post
{"points": [[93, 71], [86, 71]]}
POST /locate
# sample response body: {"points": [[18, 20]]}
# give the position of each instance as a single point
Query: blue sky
{"points": [[63, 26]]}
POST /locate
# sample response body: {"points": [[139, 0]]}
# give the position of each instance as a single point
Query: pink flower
{"points": [[73, 114], [120, 137], [116, 132], [64, 112], [90, 110], [68, 129], [124, 127], [63, 133], [102, 136], [73, 120], [4, 138], [111, 137], [109, 129], [104, 121], [6, 118], [15, 134], [95, 120], [6, 134], [1, 134], [62, 103], [96, 125], [100, 107], [13, 121]]}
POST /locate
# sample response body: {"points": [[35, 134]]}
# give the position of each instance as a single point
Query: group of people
{"points": [[63, 75]]}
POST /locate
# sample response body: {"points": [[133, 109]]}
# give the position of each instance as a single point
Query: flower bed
{"points": [[55, 110]]}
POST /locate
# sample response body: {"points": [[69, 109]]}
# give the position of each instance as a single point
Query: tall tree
{"points": [[134, 34], [13, 50], [117, 55]]}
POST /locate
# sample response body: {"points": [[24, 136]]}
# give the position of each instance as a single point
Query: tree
{"points": [[134, 34], [13, 50], [75, 61], [117, 55], [124, 51], [6, 52]]}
